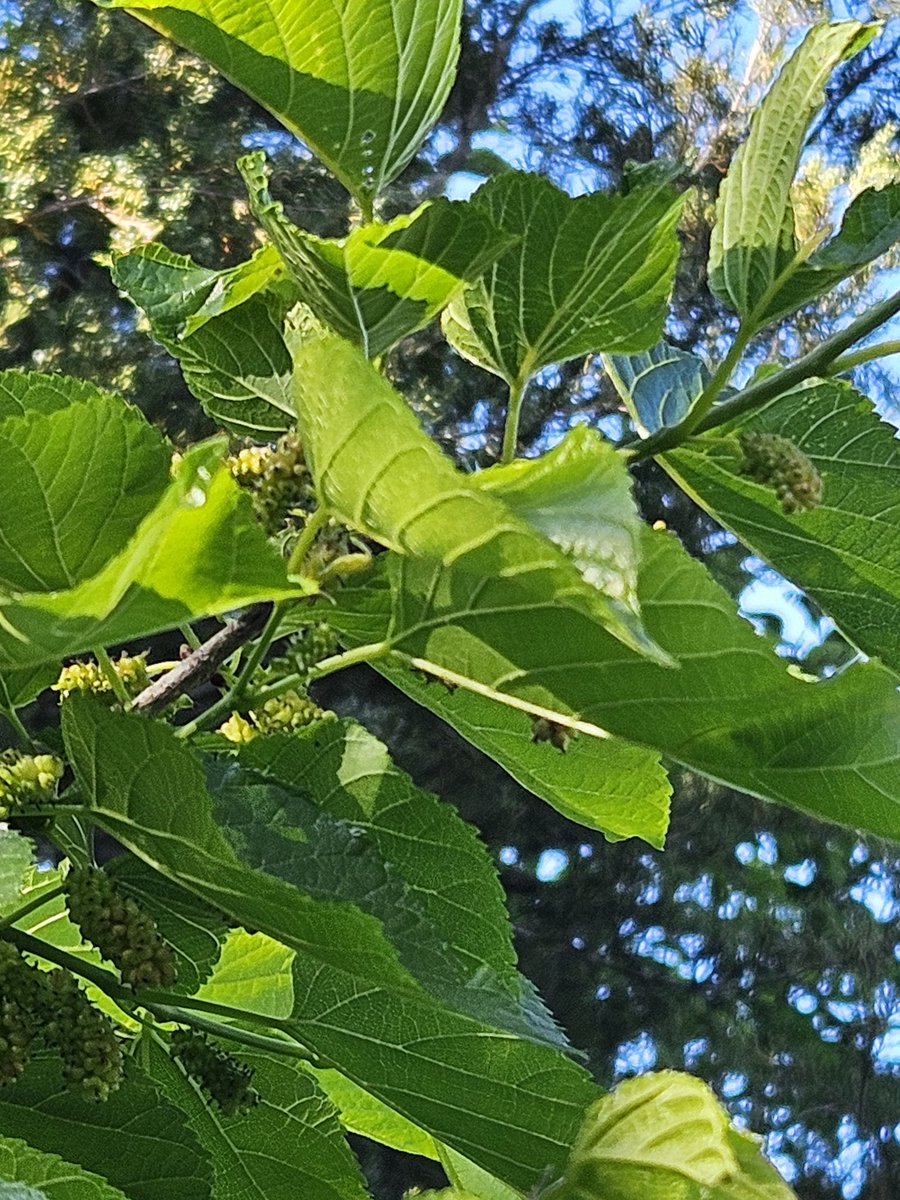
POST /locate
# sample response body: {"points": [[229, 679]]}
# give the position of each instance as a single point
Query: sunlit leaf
{"points": [[54, 1178]]}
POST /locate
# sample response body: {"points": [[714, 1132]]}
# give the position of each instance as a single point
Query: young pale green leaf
{"points": [[604, 783], [377, 470], [195, 931], [382, 281], [16, 856], [508, 1103], [650, 1137], [24, 392], [53, 1178], [659, 386], [358, 829], [870, 227], [198, 552], [254, 974], [756, 1179], [754, 245], [586, 274], [289, 1145], [141, 1142], [731, 710], [80, 477], [365, 1115], [224, 327], [361, 83], [846, 553]]}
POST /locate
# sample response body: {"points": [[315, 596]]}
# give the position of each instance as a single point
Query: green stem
{"points": [[255, 657], [30, 906], [513, 413], [816, 363], [189, 636], [104, 980], [868, 354], [111, 675], [246, 1037], [316, 521], [15, 720], [371, 652]]}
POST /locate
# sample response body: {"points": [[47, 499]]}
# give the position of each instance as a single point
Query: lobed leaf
{"points": [[224, 327], [754, 246], [384, 280], [361, 83], [846, 553], [584, 275]]}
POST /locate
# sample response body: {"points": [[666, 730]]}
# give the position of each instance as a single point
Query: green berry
{"points": [[120, 929], [278, 480], [778, 462], [84, 1036], [18, 1015], [27, 781], [224, 1078]]}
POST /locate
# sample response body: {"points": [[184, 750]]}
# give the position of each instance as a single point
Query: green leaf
{"points": [[382, 281], [377, 470], [587, 274], [193, 929], [16, 857], [24, 392], [651, 1137], [846, 553], [870, 227], [507, 1103], [289, 1145], [55, 1179], [364, 1114], [254, 974], [224, 327], [141, 1142], [475, 1179], [20, 1191], [731, 710], [609, 785], [358, 829], [198, 552], [756, 1179], [754, 244], [79, 479], [362, 84], [659, 386], [20, 687]]}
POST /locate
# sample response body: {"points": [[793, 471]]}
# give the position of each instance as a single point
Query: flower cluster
{"points": [[27, 781], [283, 714], [776, 461], [277, 478], [224, 1078], [120, 929], [89, 676]]}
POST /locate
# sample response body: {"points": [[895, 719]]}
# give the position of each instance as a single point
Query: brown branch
{"points": [[201, 664]]}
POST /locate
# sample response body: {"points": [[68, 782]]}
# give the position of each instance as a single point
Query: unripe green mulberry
{"points": [[283, 714], [84, 1036], [779, 463], [84, 676], [120, 929], [18, 1018], [27, 781], [224, 1078], [277, 478]]}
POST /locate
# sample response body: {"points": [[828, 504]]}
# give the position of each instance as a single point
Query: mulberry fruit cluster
{"points": [[283, 714], [52, 1007], [85, 1038], [120, 929], [779, 463], [89, 677], [225, 1079], [27, 781], [277, 478]]}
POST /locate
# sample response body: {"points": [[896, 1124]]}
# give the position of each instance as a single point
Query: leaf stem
{"points": [[371, 652], [816, 363], [30, 906], [867, 354], [513, 413], [220, 1029], [316, 521]]}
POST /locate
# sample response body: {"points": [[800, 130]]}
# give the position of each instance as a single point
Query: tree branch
{"points": [[202, 663]]}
